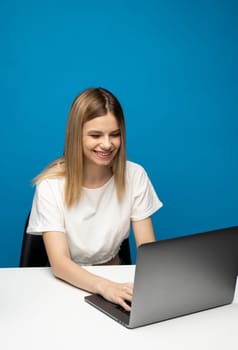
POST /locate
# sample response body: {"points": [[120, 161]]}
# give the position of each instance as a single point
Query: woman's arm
{"points": [[65, 268], [143, 231]]}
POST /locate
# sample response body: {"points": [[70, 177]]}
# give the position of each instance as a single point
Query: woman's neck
{"points": [[96, 176]]}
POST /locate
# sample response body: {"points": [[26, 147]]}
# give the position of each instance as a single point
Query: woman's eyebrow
{"points": [[94, 132], [98, 132], [115, 131]]}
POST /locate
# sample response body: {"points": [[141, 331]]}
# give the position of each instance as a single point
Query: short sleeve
{"points": [[145, 201], [47, 212]]}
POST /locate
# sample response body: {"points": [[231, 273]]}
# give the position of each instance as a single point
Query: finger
{"points": [[125, 305], [125, 300]]}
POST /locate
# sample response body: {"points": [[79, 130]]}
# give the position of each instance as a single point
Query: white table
{"points": [[38, 311]]}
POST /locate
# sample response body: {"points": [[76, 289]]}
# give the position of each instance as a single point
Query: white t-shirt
{"points": [[95, 226]]}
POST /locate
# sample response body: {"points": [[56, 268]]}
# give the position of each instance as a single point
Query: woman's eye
{"points": [[95, 136], [116, 135]]}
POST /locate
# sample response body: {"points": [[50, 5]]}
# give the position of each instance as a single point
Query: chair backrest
{"points": [[124, 252], [33, 252]]}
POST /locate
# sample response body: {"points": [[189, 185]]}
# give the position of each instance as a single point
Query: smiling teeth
{"points": [[104, 153]]}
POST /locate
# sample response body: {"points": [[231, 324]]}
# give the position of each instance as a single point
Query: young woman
{"points": [[86, 200]]}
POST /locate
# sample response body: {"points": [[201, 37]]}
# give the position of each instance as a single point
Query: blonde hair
{"points": [[90, 104]]}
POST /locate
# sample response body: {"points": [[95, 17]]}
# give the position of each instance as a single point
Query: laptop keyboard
{"points": [[119, 307]]}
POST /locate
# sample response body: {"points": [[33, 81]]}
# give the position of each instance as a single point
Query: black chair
{"points": [[124, 252], [33, 252]]}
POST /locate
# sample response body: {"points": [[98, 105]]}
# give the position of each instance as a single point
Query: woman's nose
{"points": [[106, 142]]}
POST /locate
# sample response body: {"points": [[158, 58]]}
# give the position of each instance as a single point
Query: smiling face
{"points": [[101, 140]]}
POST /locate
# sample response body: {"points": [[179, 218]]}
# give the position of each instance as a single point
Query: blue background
{"points": [[173, 66]]}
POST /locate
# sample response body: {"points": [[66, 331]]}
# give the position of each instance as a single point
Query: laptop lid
{"points": [[179, 276]]}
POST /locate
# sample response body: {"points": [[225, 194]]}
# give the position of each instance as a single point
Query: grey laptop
{"points": [[179, 276]]}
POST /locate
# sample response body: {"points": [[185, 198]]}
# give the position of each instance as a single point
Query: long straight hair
{"points": [[90, 104]]}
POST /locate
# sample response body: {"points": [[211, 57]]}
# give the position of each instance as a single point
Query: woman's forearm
{"points": [[74, 274]]}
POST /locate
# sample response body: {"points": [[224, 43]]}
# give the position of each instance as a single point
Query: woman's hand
{"points": [[118, 293]]}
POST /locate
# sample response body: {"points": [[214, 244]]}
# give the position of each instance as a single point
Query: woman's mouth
{"points": [[104, 155]]}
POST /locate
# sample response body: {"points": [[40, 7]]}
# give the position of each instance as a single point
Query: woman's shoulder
{"points": [[133, 167], [51, 183], [134, 170]]}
